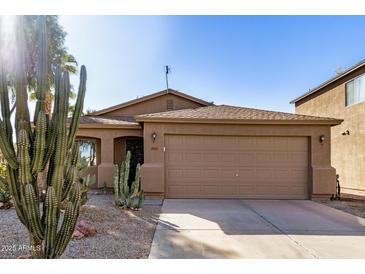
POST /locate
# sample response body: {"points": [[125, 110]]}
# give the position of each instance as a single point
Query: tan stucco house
{"points": [[191, 148], [342, 97]]}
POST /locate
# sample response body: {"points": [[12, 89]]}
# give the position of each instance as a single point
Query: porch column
{"points": [[106, 167]]}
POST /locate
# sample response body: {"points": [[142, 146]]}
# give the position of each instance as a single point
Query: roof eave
{"points": [[328, 82], [331, 122], [108, 126]]}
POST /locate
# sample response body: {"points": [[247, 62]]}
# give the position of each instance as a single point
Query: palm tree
{"points": [[57, 53]]}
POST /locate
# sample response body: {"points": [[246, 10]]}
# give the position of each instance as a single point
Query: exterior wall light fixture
{"points": [[346, 132], [154, 136], [321, 139]]}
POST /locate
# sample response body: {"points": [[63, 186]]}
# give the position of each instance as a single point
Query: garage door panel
{"points": [[209, 157], [246, 174], [236, 167], [191, 173], [175, 157], [210, 173], [193, 157], [246, 144], [248, 190]]}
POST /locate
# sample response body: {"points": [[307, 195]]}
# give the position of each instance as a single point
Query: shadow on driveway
{"points": [[198, 228]]}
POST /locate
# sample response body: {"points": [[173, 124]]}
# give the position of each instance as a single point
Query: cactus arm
{"points": [[42, 73], [22, 118], [40, 143], [140, 198], [15, 192], [6, 147], [116, 185], [6, 142], [4, 103], [131, 195], [71, 170], [69, 181], [69, 222], [13, 185], [60, 149], [78, 108], [134, 191], [51, 132], [135, 186], [126, 176], [67, 227], [25, 175], [34, 220], [75, 195], [137, 179], [51, 205]]}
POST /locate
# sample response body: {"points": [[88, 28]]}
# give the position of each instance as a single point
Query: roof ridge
{"points": [[150, 96]]}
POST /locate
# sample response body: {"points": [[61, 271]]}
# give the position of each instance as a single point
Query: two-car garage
{"points": [[201, 166], [234, 152]]}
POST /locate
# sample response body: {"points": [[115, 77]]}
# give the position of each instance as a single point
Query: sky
{"points": [[252, 61]]}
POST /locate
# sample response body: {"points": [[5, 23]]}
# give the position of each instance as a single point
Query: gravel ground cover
{"points": [[352, 206], [121, 234]]}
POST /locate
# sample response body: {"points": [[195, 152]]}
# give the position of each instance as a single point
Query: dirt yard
{"points": [[352, 206], [120, 234]]}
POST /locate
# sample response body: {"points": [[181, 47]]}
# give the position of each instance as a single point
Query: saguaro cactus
{"points": [[48, 142]]}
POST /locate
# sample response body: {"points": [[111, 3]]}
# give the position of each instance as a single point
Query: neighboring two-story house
{"points": [[342, 97]]}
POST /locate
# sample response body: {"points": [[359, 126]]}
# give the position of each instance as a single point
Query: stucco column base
{"points": [[324, 181], [105, 175], [152, 179]]}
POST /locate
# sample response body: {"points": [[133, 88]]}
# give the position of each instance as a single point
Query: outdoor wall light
{"points": [[346, 132], [154, 135], [321, 139]]}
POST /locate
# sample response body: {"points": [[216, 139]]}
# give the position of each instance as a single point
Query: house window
{"points": [[87, 153], [355, 91], [169, 104]]}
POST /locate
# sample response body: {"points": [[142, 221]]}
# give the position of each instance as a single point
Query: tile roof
{"points": [[233, 113], [108, 120]]}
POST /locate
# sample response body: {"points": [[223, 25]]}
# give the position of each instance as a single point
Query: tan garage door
{"points": [[236, 167]]}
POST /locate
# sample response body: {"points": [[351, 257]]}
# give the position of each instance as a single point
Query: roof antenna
{"points": [[167, 71]]}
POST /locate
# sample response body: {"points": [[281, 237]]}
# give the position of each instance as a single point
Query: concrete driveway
{"points": [[256, 229]]}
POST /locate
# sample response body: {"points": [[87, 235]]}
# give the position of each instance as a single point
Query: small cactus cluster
{"points": [[46, 144], [127, 196], [85, 182]]}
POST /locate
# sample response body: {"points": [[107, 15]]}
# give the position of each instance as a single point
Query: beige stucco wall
{"points": [[321, 174], [111, 138], [158, 104], [107, 150], [348, 151]]}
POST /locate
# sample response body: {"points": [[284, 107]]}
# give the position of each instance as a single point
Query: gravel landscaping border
{"points": [[121, 234], [353, 206]]}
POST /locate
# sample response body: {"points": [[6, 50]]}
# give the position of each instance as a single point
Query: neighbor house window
{"points": [[355, 90]]}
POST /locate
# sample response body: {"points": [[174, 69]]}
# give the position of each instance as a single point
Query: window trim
{"points": [[348, 81]]}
